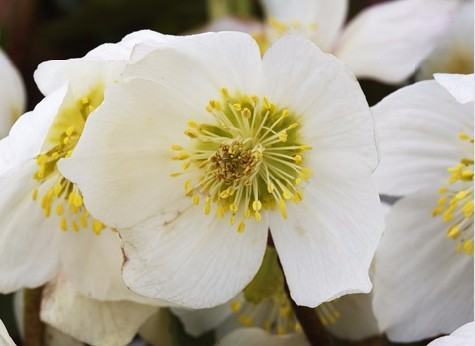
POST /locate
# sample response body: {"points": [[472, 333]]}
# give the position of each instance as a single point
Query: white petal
{"points": [[463, 336], [356, 320], [4, 337], [189, 259], [249, 26], [12, 94], [55, 337], [389, 41], [198, 322], [28, 240], [326, 17], [198, 66], [422, 287], [328, 241], [27, 136], [93, 263], [122, 162], [417, 127], [92, 321], [454, 51], [334, 113], [258, 337], [459, 86]]}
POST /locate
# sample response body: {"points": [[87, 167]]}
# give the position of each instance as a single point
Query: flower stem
{"points": [[33, 327], [312, 327]]}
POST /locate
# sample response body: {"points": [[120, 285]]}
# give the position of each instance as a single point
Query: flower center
{"points": [[56, 193], [249, 159], [455, 205]]}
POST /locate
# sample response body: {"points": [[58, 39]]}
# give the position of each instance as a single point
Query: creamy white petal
{"points": [[335, 116], [190, 259], [323, 19], [197, 322], [259, 337], [356, 319], [417, 127], [463, 336], [196, 67], [122, 162], [422, 287], [250, 26], [454, 50], [28, 240], [12, 94], [28, 134], [94, 265], [92, 321], [54, 337], [328, 241], [459, 86], [4, 337], [388, 41]]}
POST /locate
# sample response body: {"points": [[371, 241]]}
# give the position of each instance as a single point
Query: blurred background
{"points": [[32, 31]]}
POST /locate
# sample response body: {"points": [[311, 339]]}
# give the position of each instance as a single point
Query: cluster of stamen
{"points": [[59, 195], [455, 205], [249, 159]]}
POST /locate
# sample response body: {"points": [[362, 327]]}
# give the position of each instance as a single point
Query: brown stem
{"points": [[33, 327], [312, 327]]}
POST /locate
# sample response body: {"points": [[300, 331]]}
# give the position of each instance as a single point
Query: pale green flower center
{"points": [[248, 159], [62, 197]]}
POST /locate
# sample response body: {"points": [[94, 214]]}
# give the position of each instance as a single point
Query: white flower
{"points": [[12, 94], [454, 51], [91, 321], [208, 145], [463, 336], [385, 42], [424, 266], [259, 337], [5, 339], [44, 227]]}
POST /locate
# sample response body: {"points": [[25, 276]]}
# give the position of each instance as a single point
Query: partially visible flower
{"points": [[91, 321], [42, 213], [386, 42], [5, 339], [12, 94], [259, 337], [463, 336], [424, 265], [454, 51], [207, 145]]}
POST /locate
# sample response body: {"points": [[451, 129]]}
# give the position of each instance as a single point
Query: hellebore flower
{"points": [[206, 146], [423, 282]]}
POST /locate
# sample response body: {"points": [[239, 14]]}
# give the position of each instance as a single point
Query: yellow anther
{"points": [[97, 226], [270, 187], [257, 205], [464, 137], [467, 175], [257, 216], [59, 209], [34, 194], [292, 126], [187, 186], [75, 226], [63, 224], [305, 173], [246, 113], [468, 246], [443, 190], [235, 306], [298, 158], [221, 211], [283, 208], [237, 106], [232, 220], [233, 207], [193, 124], [224, 92], [186, 165], [175, 174], [287, 194], [285, 112], [181, 156], [468, 209], [176, 147], [196, 199], [85, 100], [297, 197], [453, 232], [247, 213], [70, 130], [241, 227], [207, 206], [191, 133]]}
